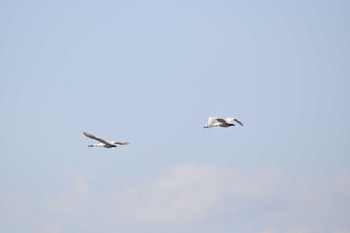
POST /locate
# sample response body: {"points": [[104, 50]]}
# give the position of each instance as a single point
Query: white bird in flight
{"points": [[103, 143], [213, 121]]}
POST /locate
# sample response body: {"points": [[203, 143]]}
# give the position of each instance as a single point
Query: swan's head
{"points": [[90, 145]]}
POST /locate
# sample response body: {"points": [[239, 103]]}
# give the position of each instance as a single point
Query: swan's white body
{"points": [[215, 122], [103, 143]]}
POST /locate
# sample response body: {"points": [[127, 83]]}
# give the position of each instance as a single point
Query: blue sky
{"points": [[151, 73]]}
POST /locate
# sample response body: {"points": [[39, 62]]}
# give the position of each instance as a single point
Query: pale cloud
{"points": [[343, 182], [304, 229], [188, 193], [268, 230], [341, 230], [297, 229], [326, 193], [51, 227], [301, 230], [72, 199], [193, 193]]}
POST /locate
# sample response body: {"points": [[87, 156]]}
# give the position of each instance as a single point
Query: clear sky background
{"points": [[151, 73]]}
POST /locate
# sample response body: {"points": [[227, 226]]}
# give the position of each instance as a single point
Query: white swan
{"points": [[103, 143], [213, 121]]}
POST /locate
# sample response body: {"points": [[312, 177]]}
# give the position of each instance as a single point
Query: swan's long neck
{"points": [[95, 145]]}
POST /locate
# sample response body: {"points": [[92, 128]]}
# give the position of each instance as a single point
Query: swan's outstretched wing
{"points": [[120, 143], [231, 119], [96, 138], [211, 122], [238, 122]]}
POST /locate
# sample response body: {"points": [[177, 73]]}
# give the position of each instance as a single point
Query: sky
{"points": [[151, 73]]}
